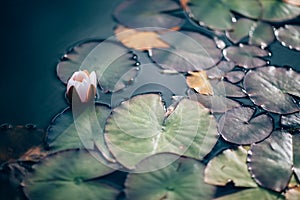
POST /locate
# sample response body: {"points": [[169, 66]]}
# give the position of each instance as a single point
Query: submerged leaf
{"points": [[140, 127], [112, 63], [272, 88], [139, 39], [246, 56], [199, 82], [54, 178], [239, 126], [181, 179], [230, 166], [273, 161], [289, 36], [137, 14]]}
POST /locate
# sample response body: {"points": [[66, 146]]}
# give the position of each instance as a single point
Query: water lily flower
{"points": [[84, 83]]}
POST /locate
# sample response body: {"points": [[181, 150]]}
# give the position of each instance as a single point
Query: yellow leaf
{"points": [[139, 40], [199, 82]]}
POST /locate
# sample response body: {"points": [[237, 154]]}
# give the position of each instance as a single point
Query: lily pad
{"points": [[218, 102], [181, 179], [15, 141], [272, 89], [239, 126], [235, 76], [261, 34], [113, 63], [137, 14], [190, 51], [63, 134], [246, 56], [220, 70], [74, 178], [229, 166], [252, 193], [273, 161], [240, 30], [291, 120], [140, 127], [289, 36]]}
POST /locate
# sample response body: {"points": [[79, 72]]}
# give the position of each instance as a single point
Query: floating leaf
{"points": [[15, 141], [140, 127], [235, 76], [289, 36], [273, 161], [252, 193], [54, 178], [230, 166], [293, 194], [291, 120], [139, 39], [271, 88], [137, 14], [190, 51], [114, 64], [181, 179], [63, 134], [219, 102], [220, 70], [199, 82], [239, 126], [246, 56], [261, 34], [240, 30]]}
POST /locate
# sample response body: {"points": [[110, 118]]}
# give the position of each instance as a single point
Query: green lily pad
{"points": [[138, 14], [261, 34], [246, 56], [15, 141], [189, 51], [273, 161], [240, 127], [63, 134], [181, 179], [114, 65], [291, 120], [140, 127], [289, 36], [69, 175], [252, 193], [272, 89], [229, 166], [240, 30]]}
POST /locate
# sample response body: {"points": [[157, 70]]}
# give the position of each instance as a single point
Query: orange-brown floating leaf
{"points": [[184, 3], [199, 82], [139, 40], [293, 2]]}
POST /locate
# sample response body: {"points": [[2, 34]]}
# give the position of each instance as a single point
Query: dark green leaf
{"points": [[289, 36]]}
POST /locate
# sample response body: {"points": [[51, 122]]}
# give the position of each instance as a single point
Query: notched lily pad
{"points": [[190, 51], [113, 63], [16, 141], [181, 179], [273, 161], [246, 56], [229, 166], [74, 178], [87, 133], [137, 14], [239, 126], [289, 36], [141, 127], [273, 89]]}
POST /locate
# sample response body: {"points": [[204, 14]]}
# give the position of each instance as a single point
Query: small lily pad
{"points": [[273, 89], [181, 179], [252, 193], [239, 126], [137, 14], [273, 161], [113, 63], [140, 127], [69, 175], [261, 34], [240, 30], [291, 120], [190, 51], [15, 141], [229, 166], [246, 56], [289, 36]]}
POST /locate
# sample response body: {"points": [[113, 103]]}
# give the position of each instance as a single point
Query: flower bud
{"points": [[84, 83]]}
